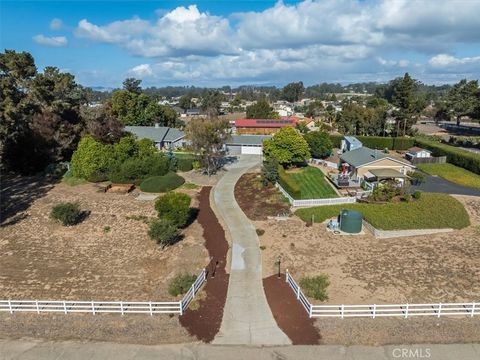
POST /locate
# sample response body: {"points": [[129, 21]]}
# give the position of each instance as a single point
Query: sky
{"points": [[216, 43]]}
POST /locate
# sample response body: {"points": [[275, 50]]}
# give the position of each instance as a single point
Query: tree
{"points": [[91, 160], [462, 99], [287, 146], [101, 124], [132, 85], [164, 232], [270, 171], [208, 137], [408, 104], [355, 119], [319, 143], [261, 110], [293, 91], [211, 102], [314, 108], [174, 207], [185, 102]]}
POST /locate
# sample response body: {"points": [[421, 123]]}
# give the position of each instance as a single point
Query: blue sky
{"points": [[214, 43]]}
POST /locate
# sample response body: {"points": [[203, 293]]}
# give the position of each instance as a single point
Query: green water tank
{"points": [[351, 221]]}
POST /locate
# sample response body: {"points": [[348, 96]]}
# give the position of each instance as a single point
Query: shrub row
{"points": [[378, 142], [157, 184], [456, 156], [288, 183], [185, 163]]}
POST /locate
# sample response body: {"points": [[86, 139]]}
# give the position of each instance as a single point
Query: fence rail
{"points": [[430, 160], [98, 307], [324, 163], [315, 202], [383, 310]]}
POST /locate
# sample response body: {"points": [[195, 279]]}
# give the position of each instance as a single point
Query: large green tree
{"points": [[287, 146], [319, 143], [292, 92], [132, 85], [261, 110], [462, 99], [211, 102]]}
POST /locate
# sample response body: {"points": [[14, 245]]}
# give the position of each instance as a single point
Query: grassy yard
{"points": [[452, 173], [431, 211], [313, 184]]}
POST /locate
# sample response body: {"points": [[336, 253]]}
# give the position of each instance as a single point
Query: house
{"points": [[164, 137], [193, 112], [350, 143], [246, 144], [417, 152], [262, 126], [372, 166]]}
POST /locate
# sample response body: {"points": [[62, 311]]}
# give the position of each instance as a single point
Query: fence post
{"points": [[341, 311], [439, 309], [93, 308], [473, 309], [310, 312], [193, 290], [181, 307], [286, 275], [10, 306], [298, 292], [151, 310], [374, 310], [38, 309], [64, 307], [406, 312], [204, 275], [121, 307]]}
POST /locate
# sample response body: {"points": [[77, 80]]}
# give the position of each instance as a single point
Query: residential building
{"points": [[246, 144], [417, 152], [262, 126], [164, 137]]}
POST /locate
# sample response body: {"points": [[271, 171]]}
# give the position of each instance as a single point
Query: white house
{"points": [[416, 152]]}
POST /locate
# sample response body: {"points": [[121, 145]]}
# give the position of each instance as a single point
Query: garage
{"points": [[246, 144], [252, 149]]}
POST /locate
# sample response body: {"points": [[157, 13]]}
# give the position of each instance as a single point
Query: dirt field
{"points": [[362, 269], [106, 257]]}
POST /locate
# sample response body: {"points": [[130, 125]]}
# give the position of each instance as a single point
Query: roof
{"points": [[387, 173], [265, 123], [157, 134], [362, 156], [247, 139], [353, 140], [417, 149]]}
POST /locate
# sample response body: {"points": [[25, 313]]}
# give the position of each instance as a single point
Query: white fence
{"points": [[315, 202], [384, 310], [97, 307], [324, 163]]}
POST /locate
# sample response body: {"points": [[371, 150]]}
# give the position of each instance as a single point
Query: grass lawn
{"points": [[452, 173], [431, 211], [313, 184]]}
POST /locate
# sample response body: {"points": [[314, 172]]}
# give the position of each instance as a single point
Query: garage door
{"points": [[252, 150]]}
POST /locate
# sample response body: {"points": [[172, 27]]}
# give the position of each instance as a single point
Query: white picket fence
{"points": [[383, 310], [315, 202], [98, 307]]}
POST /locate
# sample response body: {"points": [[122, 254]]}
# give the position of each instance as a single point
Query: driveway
{"points": [[247, 318], [440, 185]]}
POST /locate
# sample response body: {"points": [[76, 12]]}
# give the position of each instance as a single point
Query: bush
{"points": [[158, 184], [91, 160], [407, 197], [196, 165], [418, 177], [163, 231], [174, 207], [270, 172], [135, 170], [315, 286], [185, 162], [260, 232], [66, 213], [288, 183], [181, 284], [456, 156], [417, 195]]}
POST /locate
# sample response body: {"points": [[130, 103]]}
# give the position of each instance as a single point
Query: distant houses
{"points": [[163, 137]]}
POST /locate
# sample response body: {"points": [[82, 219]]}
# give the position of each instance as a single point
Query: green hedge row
{"points": [[455, 156], [157, 184], [288, 184], [378, 142]]}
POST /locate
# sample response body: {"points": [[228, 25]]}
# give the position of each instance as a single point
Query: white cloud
{"points": [[56, 24], [54, 41], [142, 70], [445, 60]]}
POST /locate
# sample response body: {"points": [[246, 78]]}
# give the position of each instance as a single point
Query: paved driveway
{"points": [[440, 185]]}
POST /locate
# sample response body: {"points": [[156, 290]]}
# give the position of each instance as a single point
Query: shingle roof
{"points": [[174, 134], [157, 134], [247, 139], [265, 123], [353, 140], [362, 156]]}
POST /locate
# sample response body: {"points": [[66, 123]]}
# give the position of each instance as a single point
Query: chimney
{"points": [[157, 125]]}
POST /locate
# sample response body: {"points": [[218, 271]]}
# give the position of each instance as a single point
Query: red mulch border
{"points": [[289, 313], [204, 323]]}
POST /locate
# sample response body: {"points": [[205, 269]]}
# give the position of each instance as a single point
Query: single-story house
{"points": [[350, 143], [246, 144], [164, 137], [417, 152], [262, 126], [373, 166], [193, 112]]}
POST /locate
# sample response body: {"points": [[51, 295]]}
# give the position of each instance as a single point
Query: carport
{"points": [[377, 175]]}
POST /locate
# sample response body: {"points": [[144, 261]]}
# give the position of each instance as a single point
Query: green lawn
{"points": [[313, 184], [452, 173], [431, 211]]}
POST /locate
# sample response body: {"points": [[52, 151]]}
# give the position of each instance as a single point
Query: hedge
{"points": [[378, 142], [455, 156], [156, 184], [288, 184]]}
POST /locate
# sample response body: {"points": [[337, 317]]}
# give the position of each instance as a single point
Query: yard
{"points": [[431, 211], [312, 182], [452, 173]]}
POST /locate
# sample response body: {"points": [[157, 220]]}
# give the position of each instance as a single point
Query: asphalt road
{"points": [[440, 185]]}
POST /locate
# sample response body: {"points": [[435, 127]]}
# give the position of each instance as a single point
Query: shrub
{"points": [[185, 162], [157, 184], [288, 183], [417, 195], [315, 286], [163, 231], [196, 165], [260, 232], [174, 207], [91, 160], [135, 170], [270, 172], [407, 197], [66, 213], [181, 284], [420, 178]]}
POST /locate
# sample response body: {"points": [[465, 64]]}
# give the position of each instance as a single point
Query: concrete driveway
{"points": [[247, 318], [440, 185]]}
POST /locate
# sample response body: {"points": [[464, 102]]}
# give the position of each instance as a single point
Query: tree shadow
{"points": [[193, 216], [17, 193]]}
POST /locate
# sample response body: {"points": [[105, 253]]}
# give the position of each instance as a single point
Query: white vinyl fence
{"points": [[97, 307], [315, 202], [376, 310], [324, 163]]}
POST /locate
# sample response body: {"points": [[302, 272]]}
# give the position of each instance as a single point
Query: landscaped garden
{"points": [[312, 183], [430, 211], [452, 173]]}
